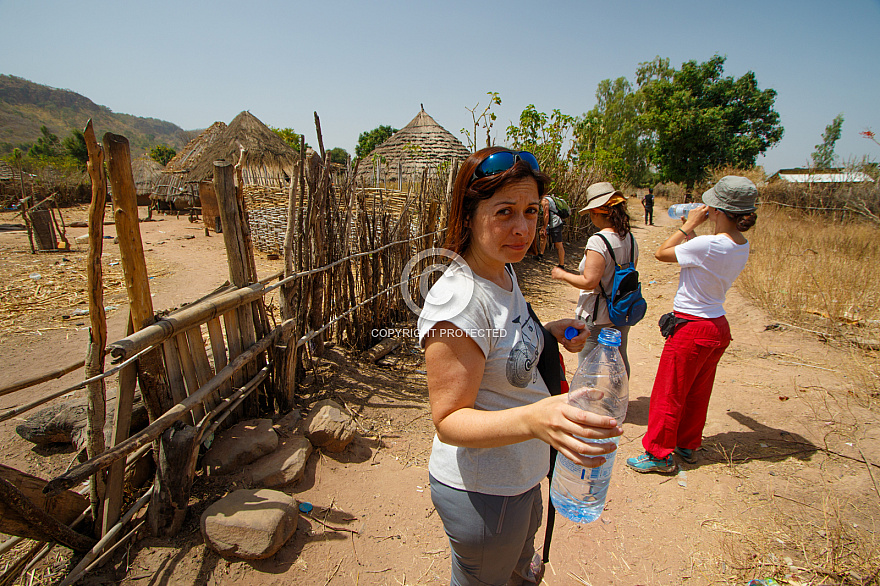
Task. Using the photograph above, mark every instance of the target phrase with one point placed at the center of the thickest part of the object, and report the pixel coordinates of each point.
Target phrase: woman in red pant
(686, 373)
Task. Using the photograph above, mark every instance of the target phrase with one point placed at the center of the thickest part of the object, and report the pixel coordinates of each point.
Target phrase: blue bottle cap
(610, 337)
(305, 507)
(571, 332)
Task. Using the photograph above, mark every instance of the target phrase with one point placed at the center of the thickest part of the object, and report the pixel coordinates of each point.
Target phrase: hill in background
(26, 106)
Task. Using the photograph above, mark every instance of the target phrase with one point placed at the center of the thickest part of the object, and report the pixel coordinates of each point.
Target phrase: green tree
(824, 157)
(612, 132)
(46, 146)
(75, 148)
(368, 141)
(704, 120)
(546, 137)
(162, 154)
(338, 155)
(289, 136)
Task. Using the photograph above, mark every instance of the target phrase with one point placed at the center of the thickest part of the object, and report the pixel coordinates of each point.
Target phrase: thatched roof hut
(421, 144)
(269, 159)
(147, 173)
(174, 177)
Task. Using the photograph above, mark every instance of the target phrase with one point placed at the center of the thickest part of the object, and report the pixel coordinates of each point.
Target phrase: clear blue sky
(363, 64)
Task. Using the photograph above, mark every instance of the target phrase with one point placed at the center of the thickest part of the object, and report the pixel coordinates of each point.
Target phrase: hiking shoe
(689, 456)
(648, 463)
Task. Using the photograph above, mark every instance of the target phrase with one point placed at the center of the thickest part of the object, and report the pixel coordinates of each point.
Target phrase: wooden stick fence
(200, 365)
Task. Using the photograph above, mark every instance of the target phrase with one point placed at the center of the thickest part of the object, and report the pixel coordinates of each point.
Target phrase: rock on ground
(285, 465)
(240, 445)
(328, 426)
(250, 524)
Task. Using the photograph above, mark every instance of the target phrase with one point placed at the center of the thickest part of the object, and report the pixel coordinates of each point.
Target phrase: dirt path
(778, 450)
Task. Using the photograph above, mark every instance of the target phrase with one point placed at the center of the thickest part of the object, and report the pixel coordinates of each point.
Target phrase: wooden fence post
(97, 405)
(151, 369)
(151, 372)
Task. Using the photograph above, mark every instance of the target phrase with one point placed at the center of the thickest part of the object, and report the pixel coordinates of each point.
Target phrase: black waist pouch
(669, 324)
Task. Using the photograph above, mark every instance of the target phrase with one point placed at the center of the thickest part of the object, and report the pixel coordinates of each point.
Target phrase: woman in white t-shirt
(493, 412)
(700, 333)
(607, 209)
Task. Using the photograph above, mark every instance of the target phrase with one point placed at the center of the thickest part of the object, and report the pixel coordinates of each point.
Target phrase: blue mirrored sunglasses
(502, 161)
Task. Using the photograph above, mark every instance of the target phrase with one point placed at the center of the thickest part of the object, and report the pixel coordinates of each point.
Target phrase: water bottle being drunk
(599, 385)
(681, 210)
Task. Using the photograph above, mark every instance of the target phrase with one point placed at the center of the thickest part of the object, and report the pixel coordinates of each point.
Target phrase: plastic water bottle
(599, 385)
(680, 210)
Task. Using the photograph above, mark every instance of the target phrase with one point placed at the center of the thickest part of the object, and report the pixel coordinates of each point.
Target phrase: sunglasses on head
(502, 161)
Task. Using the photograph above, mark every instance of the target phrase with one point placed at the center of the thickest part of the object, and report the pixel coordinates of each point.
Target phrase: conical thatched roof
(421, 143)
(266, 150)
(186, 159)
(173, 178)
(146, 174)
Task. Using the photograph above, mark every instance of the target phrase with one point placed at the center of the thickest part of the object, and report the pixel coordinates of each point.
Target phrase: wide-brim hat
(733, 194)
(598, 195)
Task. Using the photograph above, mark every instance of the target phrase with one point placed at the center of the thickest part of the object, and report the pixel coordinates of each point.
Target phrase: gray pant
(491, 537)
(593, 341)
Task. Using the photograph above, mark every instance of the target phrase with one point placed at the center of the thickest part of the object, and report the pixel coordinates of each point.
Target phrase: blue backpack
(626, 306)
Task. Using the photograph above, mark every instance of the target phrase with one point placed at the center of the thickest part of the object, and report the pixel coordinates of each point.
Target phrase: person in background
(648, 204)
(552, 228)
(686, 373)
(494, 416)
(607, 209)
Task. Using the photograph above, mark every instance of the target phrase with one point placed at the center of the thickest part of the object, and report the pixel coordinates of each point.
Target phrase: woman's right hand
(560, 425)
(695, 217)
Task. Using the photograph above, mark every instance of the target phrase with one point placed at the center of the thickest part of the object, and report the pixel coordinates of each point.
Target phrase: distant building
(821, 176)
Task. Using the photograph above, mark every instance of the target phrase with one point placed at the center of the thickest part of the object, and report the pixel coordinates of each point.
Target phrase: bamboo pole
(97, 402)
(180, 321)
(35, 380)
(131, 250)
(176, 413)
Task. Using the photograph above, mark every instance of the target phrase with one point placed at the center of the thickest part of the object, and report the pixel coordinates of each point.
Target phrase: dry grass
(807, 547)
(821, 275)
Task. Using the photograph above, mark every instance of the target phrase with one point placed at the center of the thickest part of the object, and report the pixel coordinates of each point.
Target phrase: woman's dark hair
(467, 194)
(619, 218)
(743, 221)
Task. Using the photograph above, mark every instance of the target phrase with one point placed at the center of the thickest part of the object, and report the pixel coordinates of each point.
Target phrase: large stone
(284, 466)
(250, 524)
(240, 445)
(328, 426)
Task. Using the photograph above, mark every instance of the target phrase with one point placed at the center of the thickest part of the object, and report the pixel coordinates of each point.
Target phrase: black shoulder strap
(632, 247)
(607, 245)
(548, 362)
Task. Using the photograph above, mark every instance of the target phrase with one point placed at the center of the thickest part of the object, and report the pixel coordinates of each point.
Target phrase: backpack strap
(614, 260)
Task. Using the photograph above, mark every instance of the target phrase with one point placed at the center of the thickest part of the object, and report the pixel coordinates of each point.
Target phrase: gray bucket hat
(598, 195)
(733, 194)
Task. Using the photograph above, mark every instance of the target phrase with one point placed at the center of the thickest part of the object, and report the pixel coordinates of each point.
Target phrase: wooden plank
(189, 373)
(174, 370)
(233, 338)
(218, 351)
(64, 506)
(200, 361)
(126, 383)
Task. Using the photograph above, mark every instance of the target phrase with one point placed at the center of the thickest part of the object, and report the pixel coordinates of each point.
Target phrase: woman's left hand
(558, 327)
